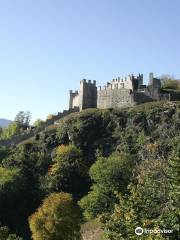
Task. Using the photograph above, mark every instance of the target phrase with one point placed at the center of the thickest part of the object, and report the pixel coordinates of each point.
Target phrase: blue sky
(48, 46)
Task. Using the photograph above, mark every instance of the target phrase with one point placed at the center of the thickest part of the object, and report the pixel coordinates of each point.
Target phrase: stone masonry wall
(141, 97)
(114, 98)
(75, 101)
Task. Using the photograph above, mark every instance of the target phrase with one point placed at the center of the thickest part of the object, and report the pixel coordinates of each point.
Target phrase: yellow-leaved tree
(56, 219)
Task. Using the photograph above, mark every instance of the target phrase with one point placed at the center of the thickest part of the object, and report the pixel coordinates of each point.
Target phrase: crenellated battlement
(130, 82)
(90, 82)
(120, 91)
(73, 92)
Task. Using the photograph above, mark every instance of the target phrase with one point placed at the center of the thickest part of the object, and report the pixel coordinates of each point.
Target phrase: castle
(120, 92)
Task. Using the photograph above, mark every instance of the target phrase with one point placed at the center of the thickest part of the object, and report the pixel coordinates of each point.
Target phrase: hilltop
(53, 122)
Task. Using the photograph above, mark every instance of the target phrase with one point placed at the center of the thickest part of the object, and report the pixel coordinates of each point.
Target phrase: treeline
(20, 129)
(117, 168)
(20, 124)
(168, 82)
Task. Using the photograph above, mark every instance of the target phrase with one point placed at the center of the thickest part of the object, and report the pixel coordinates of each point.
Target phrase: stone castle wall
(141, 97)
(130, 82)
(120, 92)
(114, 98)
(75, 102)
(73, 99)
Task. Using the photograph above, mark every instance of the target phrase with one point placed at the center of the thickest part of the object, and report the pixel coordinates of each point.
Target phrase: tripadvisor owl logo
(139, 231)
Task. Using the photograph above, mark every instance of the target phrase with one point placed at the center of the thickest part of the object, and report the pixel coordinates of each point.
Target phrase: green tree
(21, 122)
(32, 162)
(68, 171)
(122, 222)
(145, 204)
(39, 124)
(57, 219)
(12, 130)
(23, 119)
(170, 217)
(109, 175)
(11, 187)
(169, 83)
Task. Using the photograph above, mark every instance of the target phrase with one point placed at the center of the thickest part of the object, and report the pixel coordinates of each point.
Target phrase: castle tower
(87, 94)
(70, 99)
(137, 81)
(154, 82)
(140, 80)
(154, 86)
(73, 99)
(151, 76)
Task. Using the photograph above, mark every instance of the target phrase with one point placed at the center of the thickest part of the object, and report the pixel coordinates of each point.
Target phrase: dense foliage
(68, 171)
(17, 127)
(122, 167)
(58, 222)
(109, 176)
(169, 83)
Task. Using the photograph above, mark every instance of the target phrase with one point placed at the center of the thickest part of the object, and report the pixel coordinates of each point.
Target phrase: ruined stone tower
(73, 99)
(154, 86)
(87, 94)
(86, 97)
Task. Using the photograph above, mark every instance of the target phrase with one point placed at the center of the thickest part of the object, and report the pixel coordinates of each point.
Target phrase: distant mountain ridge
(4, 122)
